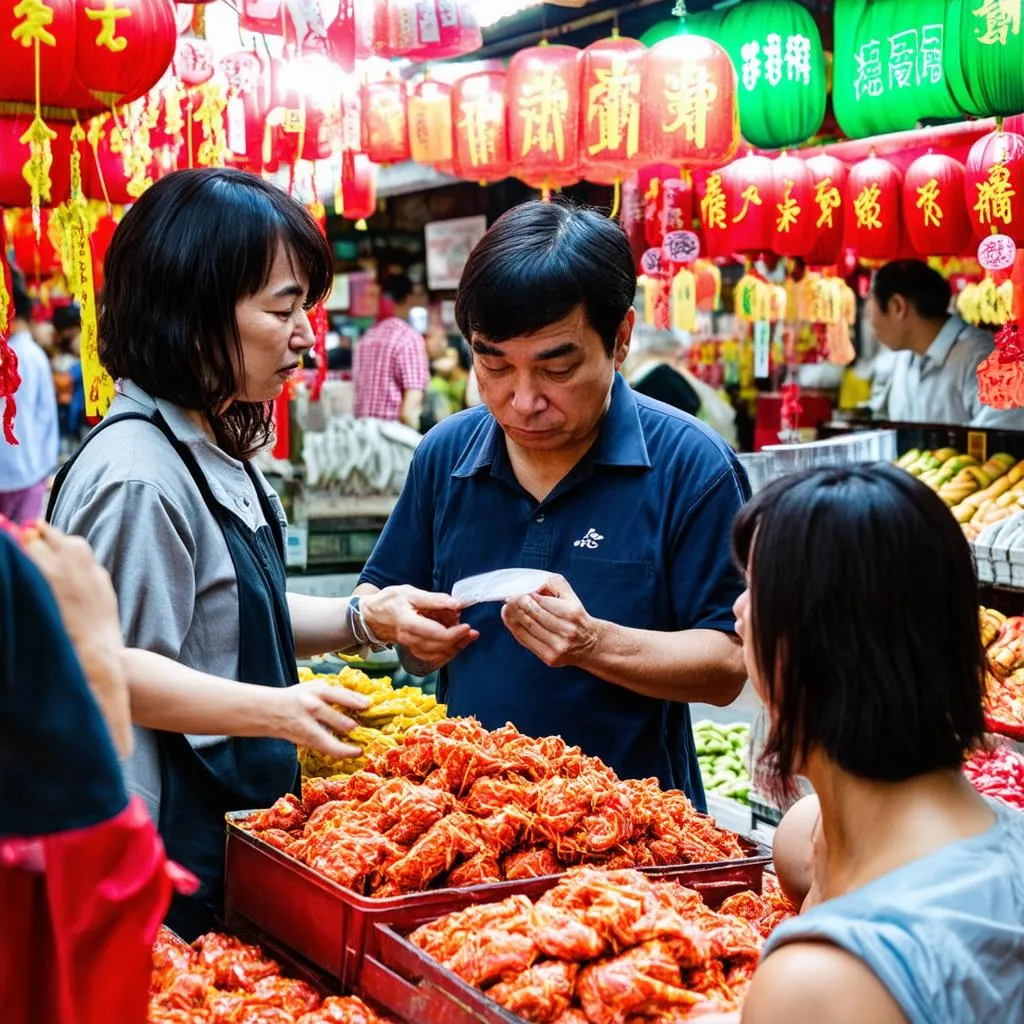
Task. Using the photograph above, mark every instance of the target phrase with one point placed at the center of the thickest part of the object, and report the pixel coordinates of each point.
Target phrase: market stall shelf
(332, 927)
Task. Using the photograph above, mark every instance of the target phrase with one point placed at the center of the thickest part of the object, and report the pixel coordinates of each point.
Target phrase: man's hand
(553, 624)
(88, 607)
(425, 625)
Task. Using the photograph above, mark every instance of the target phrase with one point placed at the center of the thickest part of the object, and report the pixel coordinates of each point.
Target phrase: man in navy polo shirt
(627, 502)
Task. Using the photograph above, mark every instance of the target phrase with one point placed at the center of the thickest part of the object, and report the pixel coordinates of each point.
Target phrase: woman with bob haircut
(202, 321)
(860, 633)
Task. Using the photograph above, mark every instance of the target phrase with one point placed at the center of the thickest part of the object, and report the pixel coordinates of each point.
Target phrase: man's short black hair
(537, 264)
(864, 618)
(20, 297)
(67, 317)
(925, 289)
(195, 244)
(398, 288)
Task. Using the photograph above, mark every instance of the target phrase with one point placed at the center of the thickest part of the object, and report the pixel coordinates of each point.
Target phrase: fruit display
(219, 978)
(381, 726)
(998, 773)
(1003, 639)
(978, 495)
(455, 805)
(722, 755)
(604, 947)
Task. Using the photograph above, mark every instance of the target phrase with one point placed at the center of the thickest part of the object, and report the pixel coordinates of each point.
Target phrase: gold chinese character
(994, 196)
(614, 101)
(712, 206)
(1002, 19)
(867, 207)
(543, 106)
(827, 196)
(35, 17)
(690, 95)
(928, 203)
(748, 195)
(108, 18)
(480, 130)
(789, 208)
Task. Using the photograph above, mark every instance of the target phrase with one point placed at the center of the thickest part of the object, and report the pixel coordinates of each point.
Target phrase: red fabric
(79, 912)
(390, 359)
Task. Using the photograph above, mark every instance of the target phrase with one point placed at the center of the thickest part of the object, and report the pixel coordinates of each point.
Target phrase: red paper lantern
(751, 207)
(92, 53)
(829, 176)
(385, 121)
(430, 124)
(480, 136)
(294, 125)
(249, 99)
(37, 258)
(690, 115)
(610, 99)
(994, 188)
(795, 209)
(14, 190)
(874, 226)
(542, 86)
(430, 29)
(676, 205)
(357, 189)
(713, 209)
(193, 60)
(934, 205)
(103, 169)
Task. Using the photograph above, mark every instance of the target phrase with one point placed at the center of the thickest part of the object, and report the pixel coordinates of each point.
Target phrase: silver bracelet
(365, 638)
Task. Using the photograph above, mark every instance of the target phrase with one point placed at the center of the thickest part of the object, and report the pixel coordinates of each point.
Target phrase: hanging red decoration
(429, 29)
(295, 125)
(343, 37)
(1001, 375)
(690, 115)
(193, 60)
(542, 86)
(37, 258)
(14, 189)
(264, 17)
(385, 121)
(713, 210)
(631, 217)
(751, 207)
(480, 136)
(104, 175)
(676, 205)
(828, 175)
(994, 188)
(610, 98)
(795, 209)
(935, 207)
(356, 198)
(102, 236)
(249, 95)
(430, 124)
(874, 227)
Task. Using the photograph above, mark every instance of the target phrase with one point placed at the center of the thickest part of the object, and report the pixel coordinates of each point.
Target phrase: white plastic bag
(500, 585)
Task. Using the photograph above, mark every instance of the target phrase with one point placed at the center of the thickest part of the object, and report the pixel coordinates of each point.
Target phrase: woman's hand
(88, 607)
(307, 716)
(425, 625)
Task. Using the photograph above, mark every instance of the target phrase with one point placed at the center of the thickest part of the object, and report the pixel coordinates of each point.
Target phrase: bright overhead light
(488, 12)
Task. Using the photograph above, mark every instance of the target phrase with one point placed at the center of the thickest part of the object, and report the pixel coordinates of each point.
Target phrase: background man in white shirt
(25, 467)
(934, 374)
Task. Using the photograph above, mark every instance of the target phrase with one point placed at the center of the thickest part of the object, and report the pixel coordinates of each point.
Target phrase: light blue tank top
(944, 935)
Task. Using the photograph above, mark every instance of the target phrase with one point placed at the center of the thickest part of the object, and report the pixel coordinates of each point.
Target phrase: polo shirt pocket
(623, 592)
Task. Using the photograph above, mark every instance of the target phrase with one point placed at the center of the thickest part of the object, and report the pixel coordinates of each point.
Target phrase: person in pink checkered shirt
(390, 364)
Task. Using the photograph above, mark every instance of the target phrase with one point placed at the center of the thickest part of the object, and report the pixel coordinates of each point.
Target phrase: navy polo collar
(620, 442)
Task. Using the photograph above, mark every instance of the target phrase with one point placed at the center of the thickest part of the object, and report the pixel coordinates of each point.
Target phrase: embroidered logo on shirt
(590, 539)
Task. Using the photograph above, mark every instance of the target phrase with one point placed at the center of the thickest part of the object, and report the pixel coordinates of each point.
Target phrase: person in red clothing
(390, 364)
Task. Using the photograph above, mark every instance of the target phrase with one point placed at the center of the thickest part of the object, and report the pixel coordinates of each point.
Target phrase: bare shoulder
(819, 982)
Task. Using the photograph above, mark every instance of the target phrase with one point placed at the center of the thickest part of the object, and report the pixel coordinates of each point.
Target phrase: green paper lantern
(985, 55)
(776, 49)
(891, 68)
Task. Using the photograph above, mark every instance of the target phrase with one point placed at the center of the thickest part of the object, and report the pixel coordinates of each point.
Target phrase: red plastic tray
(1011, 729)
(331, 926)
(396, 966)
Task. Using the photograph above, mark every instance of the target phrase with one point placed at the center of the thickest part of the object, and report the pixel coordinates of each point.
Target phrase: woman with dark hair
(203, 320)
(860, 633)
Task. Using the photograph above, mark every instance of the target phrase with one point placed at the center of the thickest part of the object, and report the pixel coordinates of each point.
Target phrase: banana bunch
(381, 726)
(991, 622)
(978, 495)
(1005, 653)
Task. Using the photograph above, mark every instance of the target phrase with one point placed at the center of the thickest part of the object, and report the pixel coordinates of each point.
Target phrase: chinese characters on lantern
(543, 105)
(749, 195)
(994, 197)
(867, 209)
(690, 94)
(34, 17)
(903, 60)
(789, 208)
(108, 16)
(828, 199)
(998, 20)
(774, 62)
(614, 101)
(997, 252)
(712, 205)
(928, 203)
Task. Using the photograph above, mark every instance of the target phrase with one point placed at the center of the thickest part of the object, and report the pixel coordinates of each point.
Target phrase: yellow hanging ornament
(684, 301)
